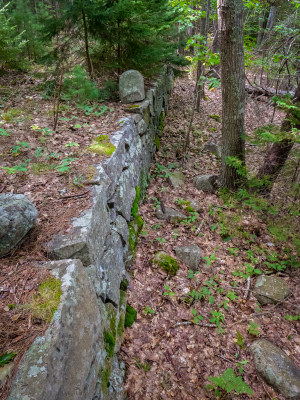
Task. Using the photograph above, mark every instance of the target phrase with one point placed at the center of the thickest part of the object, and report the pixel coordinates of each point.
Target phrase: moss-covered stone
(120, 328)
(135, 206)
(112, 318)
(143, 185)
(133, 106)
(44, 304)
(129, 316)
(135, 228)
(166, 263)
(104, 375)
(124, 285)
(102, 146)
(157, 142)
(110, 342)
(161, 122)
(190, 209)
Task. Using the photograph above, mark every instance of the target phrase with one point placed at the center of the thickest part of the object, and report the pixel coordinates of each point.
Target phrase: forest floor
(27, 140)
(165, 357)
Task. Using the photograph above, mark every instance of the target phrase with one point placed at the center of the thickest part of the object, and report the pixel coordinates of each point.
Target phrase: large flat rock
(276, 368)
(270, 289)
(189, 255)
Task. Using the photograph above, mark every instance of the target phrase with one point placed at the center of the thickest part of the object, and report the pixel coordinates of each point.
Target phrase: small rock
(131, 86)
(207, 183)
(166, 262)
(141, 127)
(214, 149)
(276, 368)
(173, 215)
(6, 371)
(275, 288)
(189, 255)
(17, 216)
(176, 179)
(195, 205)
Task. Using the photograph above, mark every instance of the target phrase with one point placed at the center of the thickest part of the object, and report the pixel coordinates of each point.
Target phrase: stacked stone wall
(77, 358)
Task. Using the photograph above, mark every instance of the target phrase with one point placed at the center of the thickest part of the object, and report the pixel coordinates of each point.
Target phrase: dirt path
(169, 361)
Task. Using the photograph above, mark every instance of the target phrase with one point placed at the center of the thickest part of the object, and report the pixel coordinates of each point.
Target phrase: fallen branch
(190, 322)
(268, 92)
(248, 287)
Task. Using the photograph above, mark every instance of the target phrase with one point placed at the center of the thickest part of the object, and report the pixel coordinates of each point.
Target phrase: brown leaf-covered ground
(166, 360)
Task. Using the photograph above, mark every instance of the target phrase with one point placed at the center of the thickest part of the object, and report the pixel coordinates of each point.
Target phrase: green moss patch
(133, 106)
(135, 206)
(38, 168)
(120, 328)
(190, 209)
(157, 142)
(166, 263)
(110, 342)
(135, 228)
(45, 303)
(102, 146)
(129, 316)
(124, 285)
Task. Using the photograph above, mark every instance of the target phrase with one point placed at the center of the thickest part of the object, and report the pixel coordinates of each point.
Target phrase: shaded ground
(168, 360)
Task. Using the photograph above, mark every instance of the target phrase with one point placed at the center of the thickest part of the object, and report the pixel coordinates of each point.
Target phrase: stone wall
(77, 358)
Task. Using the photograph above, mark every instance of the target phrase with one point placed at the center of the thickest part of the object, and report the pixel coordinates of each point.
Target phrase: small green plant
(77, 180)
(210, 259)
(161, 240)
(250, 270)
(217, 318)
(145, 366)
(168, 291)
(292, 318)
(192, 274)
(6, 358)
(224, 304)
(197, 318)
(176, 234)
(71, 144)
(156, 203)
(65, 165)
(157, 226)
(161, 171)
(232, 296)
(3, 132)
(241, 365)
(239, 340)
(253, 329)
(148, 310)
(233, 251)
(228, 382)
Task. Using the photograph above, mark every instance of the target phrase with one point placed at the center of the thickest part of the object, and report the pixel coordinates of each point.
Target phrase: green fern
(229, 382)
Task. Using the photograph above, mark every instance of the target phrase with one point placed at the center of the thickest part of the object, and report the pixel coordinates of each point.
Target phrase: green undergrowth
(129, 316)
(44, 304)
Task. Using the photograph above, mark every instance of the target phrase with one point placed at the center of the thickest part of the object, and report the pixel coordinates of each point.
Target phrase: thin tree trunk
(271, 18)
(260, 35)
(278, 153)
(233, 90)
(86, 41)
(200, 68)
(215, 44)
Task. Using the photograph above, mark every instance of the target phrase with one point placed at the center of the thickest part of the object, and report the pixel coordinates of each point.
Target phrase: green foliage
(135, 206)
(65, 166)
(240, 340)
(168, 291)
(210, 259)
(292, 318)
(110, 342)
(217, 318)
(197, 318)
(241, 365)
(103, 146)
(109, 90)
(6, 358)
(148, 310)
(78, 87)
(124, 284)
(129, 316)
(144, 366)
(229, 382)
(253, 329)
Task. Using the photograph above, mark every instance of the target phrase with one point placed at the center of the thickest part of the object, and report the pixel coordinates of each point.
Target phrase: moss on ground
(166, 263)
(190, 209)
(129, 316)
(44, 304)
(38, 168)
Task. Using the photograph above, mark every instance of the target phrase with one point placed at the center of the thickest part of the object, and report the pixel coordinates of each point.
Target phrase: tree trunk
(86, 41)
(203, 32)
(271, 18)
(260, 36)
(233, 90)
(278, 153)
(216, 44)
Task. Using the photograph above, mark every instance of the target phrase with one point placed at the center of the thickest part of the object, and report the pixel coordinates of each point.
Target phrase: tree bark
(233, 90)
(278, 153)
(271, 18)
(86, 41)
(203, 32)
(260, 36)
